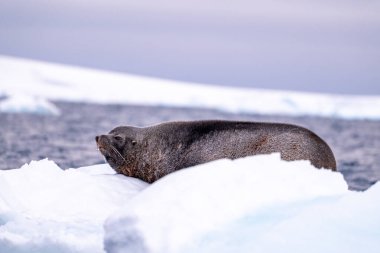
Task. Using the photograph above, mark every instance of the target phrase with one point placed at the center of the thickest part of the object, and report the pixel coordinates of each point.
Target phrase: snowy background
(257, 203)
(25, 80)
(316, 45)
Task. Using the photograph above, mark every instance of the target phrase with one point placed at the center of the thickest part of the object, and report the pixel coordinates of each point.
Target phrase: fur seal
(150, 153)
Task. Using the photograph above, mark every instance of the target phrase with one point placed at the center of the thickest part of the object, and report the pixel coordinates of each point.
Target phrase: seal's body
(152, 152)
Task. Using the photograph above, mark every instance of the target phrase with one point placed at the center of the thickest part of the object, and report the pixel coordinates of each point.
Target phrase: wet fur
(152, 152)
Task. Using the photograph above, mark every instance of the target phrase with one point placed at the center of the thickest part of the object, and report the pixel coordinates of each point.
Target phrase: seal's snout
(102, 143)
(100, 138)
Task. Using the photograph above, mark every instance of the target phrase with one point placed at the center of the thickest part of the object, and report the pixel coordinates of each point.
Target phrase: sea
(69, 138)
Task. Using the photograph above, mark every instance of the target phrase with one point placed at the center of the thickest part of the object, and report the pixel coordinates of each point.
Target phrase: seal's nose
(96, 138)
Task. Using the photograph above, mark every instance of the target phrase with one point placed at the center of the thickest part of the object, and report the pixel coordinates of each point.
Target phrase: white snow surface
(252, 204)
(67, 83)
(46, 209)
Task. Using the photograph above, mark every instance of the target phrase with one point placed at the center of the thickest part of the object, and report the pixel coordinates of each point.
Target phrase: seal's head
(116, 145)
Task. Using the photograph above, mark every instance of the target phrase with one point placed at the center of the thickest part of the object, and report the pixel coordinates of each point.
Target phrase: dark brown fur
(152, 152)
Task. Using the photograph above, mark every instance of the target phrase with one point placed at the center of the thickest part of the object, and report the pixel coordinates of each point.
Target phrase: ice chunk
(46, 209)
(28, 104)
(182, 208)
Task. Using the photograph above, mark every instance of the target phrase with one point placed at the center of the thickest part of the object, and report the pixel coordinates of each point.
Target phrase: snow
(252, 204)
(66, 83)
(179, 210)
(342, 224)
(46, 209)
(28, 104)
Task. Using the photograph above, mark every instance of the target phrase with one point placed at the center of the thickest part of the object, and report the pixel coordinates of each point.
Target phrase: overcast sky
(316, 45)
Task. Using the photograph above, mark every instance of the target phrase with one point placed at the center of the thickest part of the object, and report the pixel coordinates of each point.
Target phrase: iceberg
(58, 82)
(252, 204)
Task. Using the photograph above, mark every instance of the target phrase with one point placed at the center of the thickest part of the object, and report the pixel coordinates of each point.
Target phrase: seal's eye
(118, 138)
(134, 142)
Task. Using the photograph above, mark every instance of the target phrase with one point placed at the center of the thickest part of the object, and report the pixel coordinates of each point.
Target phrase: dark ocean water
(68, 139)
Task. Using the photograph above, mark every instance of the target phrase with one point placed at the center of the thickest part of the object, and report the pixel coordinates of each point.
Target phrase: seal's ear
(134, 142)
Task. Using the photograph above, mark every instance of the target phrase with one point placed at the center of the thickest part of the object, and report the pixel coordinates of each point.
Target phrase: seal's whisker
(118, 153)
